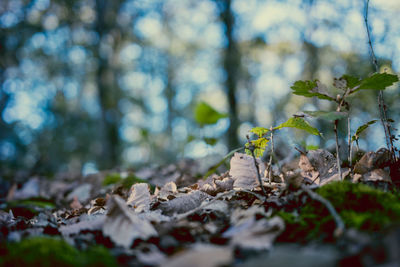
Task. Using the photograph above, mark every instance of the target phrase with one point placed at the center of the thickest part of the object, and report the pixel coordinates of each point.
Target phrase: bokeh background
(96, 84)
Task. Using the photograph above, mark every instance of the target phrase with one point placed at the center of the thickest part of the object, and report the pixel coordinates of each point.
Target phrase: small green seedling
(347, 85)
(257, 147)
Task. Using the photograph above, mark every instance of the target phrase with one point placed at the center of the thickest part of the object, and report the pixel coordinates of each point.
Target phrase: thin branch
(337, 149)
(340, 226)
(381, 100)
(349, 138)
(270, 156)
(251, 148)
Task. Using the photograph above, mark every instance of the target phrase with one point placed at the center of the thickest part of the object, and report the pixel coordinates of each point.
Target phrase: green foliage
(112, 178)
(260, 131)
(351, 81)
(259, 146)
(310, 89)
(361, 129)
(204, 114)
(360, 206)
(46, 251)
(210, 140)
(327, 115)
(378, 81)
(299, 123)
(261, 143)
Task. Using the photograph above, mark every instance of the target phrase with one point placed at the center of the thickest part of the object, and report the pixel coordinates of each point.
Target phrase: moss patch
(360, 206)
(45, 251)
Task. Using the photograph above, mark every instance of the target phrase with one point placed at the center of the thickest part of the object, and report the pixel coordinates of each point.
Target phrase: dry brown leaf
(168, 190)
(373, 160)
(183, 203)
(225, 184)
(82, 192)
(256, 234)
(139, 197)
(87, 223)
(202, 256)
(123, 225)
(318, 165)
(244, 172)
(376, 175)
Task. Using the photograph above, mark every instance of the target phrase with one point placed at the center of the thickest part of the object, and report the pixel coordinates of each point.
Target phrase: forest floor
(305, 214)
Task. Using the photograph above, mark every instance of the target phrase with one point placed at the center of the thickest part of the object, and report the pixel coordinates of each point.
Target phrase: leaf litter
(221, 220)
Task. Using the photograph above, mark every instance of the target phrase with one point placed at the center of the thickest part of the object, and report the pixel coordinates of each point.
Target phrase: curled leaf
(139, 197)
(361, 129)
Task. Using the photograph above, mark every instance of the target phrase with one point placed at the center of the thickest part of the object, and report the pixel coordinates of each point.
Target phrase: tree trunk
(231, 63)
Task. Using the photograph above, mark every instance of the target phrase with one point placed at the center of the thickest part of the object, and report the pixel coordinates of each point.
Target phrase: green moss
(360, 206)
(45, 251)
(112, 178)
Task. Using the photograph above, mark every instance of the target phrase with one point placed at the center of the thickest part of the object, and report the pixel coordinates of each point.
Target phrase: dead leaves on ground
(205, 222)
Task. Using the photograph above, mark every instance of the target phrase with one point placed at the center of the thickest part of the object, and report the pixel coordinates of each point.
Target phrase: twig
(270, 156)
(349, 139)
(251, 148)
(340, 226)
(337, 149)
(381, 100)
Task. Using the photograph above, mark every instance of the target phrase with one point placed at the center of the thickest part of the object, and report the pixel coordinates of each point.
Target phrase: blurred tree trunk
(108, 91)
(231, 63)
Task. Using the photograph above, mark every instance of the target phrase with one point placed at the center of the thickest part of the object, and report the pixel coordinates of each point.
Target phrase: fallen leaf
(123, 225)
(183, 203)
(244, 172)
(169, 189)
(75, 204)
(87, 223)
(376, 175)
(373, 160)
(82, 192)
(30, 189)
(150, 255)
(139, 197)
(256, 234)
(318, 165)
(202, 256)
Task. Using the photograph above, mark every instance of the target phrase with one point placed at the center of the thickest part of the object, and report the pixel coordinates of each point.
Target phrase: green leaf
(310, 89)
(312, 147)
(210, 141)
(260, 131)
(299, 123)
(361, 129)
(351, 80)
(327, 115)
(378, 81)
(205, 114)
(260, 144)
